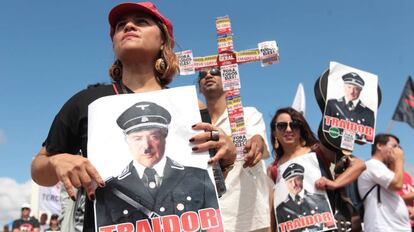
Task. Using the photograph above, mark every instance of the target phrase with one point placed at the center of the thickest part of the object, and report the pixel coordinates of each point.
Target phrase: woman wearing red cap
(142, 41)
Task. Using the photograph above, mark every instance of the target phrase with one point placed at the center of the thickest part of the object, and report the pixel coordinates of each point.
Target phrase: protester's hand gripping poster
(298, 205)
(154, 181)
(352, 102)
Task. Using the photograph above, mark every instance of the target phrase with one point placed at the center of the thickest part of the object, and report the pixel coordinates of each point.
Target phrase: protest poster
(298, 205)
(154, 181)
(352, 102)
(186, 62)
(269, 53)
(49, 199)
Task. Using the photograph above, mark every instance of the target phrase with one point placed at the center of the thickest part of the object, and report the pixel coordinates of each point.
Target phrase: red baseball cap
(145, 7)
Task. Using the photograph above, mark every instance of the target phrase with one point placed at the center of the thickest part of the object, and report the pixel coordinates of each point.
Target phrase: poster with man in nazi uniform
(154, 181)
(298, 205)
(352, 102)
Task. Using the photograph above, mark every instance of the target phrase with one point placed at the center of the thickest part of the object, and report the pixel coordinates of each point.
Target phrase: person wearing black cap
(143, 41)
(299, 201)
(152, 184)
(349, 107)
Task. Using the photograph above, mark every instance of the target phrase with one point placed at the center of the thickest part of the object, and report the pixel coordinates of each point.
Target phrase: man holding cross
(244, 206)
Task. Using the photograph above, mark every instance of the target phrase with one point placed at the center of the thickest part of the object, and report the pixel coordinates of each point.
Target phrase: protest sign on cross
(228, 61)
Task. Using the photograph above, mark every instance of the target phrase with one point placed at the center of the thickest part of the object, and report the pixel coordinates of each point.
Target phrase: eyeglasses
(213, 72)
(282, 126)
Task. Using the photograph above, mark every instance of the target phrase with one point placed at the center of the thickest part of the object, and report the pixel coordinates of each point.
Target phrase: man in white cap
(26, 223)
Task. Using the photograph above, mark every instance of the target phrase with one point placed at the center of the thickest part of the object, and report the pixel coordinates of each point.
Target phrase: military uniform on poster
(184, 189)
(153, 184)
(310, 204)
(301, 204)
(302, 207)
(353, 110)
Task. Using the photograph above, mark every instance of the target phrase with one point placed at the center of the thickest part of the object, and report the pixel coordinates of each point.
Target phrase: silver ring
(215, 135)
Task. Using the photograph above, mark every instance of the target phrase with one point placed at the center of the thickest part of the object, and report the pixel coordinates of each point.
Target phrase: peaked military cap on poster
(293, 170)
(144, 116)
(354, 79)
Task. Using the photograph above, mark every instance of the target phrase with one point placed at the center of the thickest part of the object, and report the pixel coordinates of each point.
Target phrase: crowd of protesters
(29, 223)
(249, 203)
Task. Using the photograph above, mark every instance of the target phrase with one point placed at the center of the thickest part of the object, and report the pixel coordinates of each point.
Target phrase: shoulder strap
(115, 88)
(370, 190)
(323, 162)
(135, 204)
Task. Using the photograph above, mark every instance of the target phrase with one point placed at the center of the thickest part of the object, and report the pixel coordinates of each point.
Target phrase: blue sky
(49, 50)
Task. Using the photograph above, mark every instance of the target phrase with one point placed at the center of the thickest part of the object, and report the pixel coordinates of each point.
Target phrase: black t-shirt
(69, 130)
(26, 225)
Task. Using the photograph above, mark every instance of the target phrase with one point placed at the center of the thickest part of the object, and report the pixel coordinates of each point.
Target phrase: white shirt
(159, 168)
(392, 213)
(245, 205)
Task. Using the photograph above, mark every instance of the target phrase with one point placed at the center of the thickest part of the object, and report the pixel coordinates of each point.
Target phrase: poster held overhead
(350, 113)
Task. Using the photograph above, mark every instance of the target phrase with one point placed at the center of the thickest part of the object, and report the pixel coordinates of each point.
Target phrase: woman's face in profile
(287, 136)
(137, 32)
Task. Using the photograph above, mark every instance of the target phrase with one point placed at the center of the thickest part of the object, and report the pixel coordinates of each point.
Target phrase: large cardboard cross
(228, 61)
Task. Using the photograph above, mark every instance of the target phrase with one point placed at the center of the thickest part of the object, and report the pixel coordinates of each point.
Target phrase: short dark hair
(382, 139)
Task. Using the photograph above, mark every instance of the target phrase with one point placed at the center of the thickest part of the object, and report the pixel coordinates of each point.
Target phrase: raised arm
(397, 166)
(355, 168)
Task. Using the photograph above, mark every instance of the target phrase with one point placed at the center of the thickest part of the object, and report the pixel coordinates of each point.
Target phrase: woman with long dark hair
(292, 138)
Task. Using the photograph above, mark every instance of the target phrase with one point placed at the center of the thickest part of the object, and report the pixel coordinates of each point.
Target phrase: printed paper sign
(230, 77)
(348, 140)
(186, 62)
(49, 199)
(205, 62)
(223, 25)
(299, 206)
(247, 56)
(269, 53)
(225, 44)
(352, 102)
(154, 182)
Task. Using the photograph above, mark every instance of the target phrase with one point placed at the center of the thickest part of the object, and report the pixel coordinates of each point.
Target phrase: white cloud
(12, 196)
(2, 137)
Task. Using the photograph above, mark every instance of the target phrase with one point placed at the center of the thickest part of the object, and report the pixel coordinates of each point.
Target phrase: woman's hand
(226, 151)
(324, 183)
(72, 170)
(253, 151)
(76, 171)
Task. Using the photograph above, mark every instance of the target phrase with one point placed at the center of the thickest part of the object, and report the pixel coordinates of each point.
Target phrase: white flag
(299, 103)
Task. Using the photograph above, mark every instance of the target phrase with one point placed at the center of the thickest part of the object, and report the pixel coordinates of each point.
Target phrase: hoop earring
(302, 142)
(160, 65)
(115, 71)
(276, 144)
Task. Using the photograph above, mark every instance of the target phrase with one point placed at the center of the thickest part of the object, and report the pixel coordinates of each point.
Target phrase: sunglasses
(213, 72)
(282, 126)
